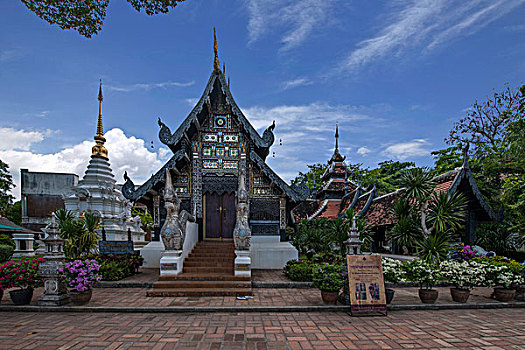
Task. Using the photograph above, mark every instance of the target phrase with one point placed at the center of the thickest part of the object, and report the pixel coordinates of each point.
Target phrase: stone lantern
(23, 244)
(55, 289)
(353, 243)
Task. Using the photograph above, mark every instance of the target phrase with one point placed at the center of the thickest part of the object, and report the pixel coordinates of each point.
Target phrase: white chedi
(97, 193)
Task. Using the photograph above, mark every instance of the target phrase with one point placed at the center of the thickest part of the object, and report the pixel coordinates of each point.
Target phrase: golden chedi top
(99, 150)
(216, 64)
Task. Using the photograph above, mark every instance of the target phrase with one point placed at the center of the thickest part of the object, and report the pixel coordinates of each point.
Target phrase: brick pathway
(136, 297)
(476, 329)
(152, 275)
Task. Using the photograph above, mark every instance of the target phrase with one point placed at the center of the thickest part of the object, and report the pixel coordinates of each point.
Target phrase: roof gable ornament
(216, 63)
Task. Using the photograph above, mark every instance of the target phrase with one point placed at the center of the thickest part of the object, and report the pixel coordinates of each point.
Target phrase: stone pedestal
(55, 289)
(243, 263)
(171, 263)
(23, 244)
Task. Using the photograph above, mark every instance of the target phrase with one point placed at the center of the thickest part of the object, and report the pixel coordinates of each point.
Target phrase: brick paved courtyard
(477, 329)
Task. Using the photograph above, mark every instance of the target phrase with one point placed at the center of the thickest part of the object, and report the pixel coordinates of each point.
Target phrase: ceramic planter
(428, 296)
(389, 295)
(21, 296)
(504, 294)
(459, 295)
(329, 297)
(80, 298)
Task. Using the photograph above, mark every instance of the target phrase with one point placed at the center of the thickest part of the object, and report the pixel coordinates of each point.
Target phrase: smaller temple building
(338, 194)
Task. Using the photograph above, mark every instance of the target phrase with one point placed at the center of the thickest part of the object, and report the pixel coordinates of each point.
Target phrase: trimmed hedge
(6, 240)
(5, 252)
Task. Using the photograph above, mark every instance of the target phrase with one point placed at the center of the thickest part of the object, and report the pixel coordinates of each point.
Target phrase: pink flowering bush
(81, 275)
(465, 253)
(22, 273)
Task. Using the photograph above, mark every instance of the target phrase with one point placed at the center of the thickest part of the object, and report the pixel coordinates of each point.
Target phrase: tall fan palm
(434, 248)
(418, 183)
(447, 212)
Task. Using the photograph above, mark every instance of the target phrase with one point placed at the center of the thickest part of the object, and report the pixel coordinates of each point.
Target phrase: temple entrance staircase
(207, 271)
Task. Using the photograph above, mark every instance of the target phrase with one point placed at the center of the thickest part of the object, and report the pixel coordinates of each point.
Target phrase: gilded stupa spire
(99, 149)
(216, 63)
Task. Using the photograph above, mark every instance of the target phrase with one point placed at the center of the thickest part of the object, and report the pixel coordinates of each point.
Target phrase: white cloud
(10, 55)
(425, 25)
(20, 139)
(307, 131)
(363, 151)
(290, 84)
(125, 154)
(148, 86)
(295, 19)
(405, 150)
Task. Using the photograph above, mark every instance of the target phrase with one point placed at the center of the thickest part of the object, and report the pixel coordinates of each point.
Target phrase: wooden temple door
(220, 216)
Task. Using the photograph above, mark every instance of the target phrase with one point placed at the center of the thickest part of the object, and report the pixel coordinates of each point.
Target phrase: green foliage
(6, 240)
(419, 271)
(113, 270)
(6, 251)
(513, 265)
(419, 184)
(87, 16)
(447, 212)
(328, 278)
(447, 159)
(146, 220)
(6, 184)
(313, 176)
(80, 234)
(14, 212)
(312, 236)
(301, 271)
(495, 236)
(387, 176)
(406, 232)
(21, 273)
(435, 248)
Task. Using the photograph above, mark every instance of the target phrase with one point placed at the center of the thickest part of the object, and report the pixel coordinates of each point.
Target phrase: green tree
(87, 16)
(79, 234)
(14, 212)
(6, 184)
(387, 176)
(313, 175)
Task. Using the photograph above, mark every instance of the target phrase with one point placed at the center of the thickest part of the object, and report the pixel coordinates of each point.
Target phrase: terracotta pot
(504, 294)
(459, 295)
(329, 297)
(21, 296)
(389, 295)
(428, 296)
(80, 298)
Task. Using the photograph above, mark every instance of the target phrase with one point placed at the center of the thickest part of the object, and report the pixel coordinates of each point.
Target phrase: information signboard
(115, 247)
(367, 287)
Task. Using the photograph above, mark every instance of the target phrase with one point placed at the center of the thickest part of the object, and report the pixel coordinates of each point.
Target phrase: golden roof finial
(99, 149)
(216, 63)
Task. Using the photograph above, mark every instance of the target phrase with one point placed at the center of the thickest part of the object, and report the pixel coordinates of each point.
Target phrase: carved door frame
(204, 216)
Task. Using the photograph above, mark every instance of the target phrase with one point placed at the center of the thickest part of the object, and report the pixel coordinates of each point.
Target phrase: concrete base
(54, 300)
(267, 252)
(243, 263)
(171, 263)
(152, 253)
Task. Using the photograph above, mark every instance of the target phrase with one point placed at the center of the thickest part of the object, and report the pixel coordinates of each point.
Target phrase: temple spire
(216, 63)
(99, 149)
(336, 137)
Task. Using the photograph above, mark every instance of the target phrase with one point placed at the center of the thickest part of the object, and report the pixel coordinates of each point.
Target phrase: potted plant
(464, 276)
(21, 273)
(426, 276)
(392, 273)
(504, 279)
(329, 279)
(80, 276)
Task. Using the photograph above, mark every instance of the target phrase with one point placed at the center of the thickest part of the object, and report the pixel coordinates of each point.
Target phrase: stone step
(205, 277)
(201, 284)
(207, 269)
(208, 263)
(211, 256)
(198, 292)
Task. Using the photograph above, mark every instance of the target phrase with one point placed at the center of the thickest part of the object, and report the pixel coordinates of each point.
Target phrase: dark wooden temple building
(338, 194)
(211, 146)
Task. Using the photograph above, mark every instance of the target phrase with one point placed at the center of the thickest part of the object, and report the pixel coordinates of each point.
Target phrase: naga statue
(173, 231)
(242, 233)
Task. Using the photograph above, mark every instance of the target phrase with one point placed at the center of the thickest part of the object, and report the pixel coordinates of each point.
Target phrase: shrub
(421, 272)
(6, 240)
(495, 236)
(81, 274)
(501, 261)
(328, 277)
(503, 276)
(301, 271)
(5, 252)
(465, 252)
(20, 273)
(392, 271)
(465, 274)
(113, 270)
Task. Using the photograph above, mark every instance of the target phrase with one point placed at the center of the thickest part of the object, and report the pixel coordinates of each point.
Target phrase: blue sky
(394, 74)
